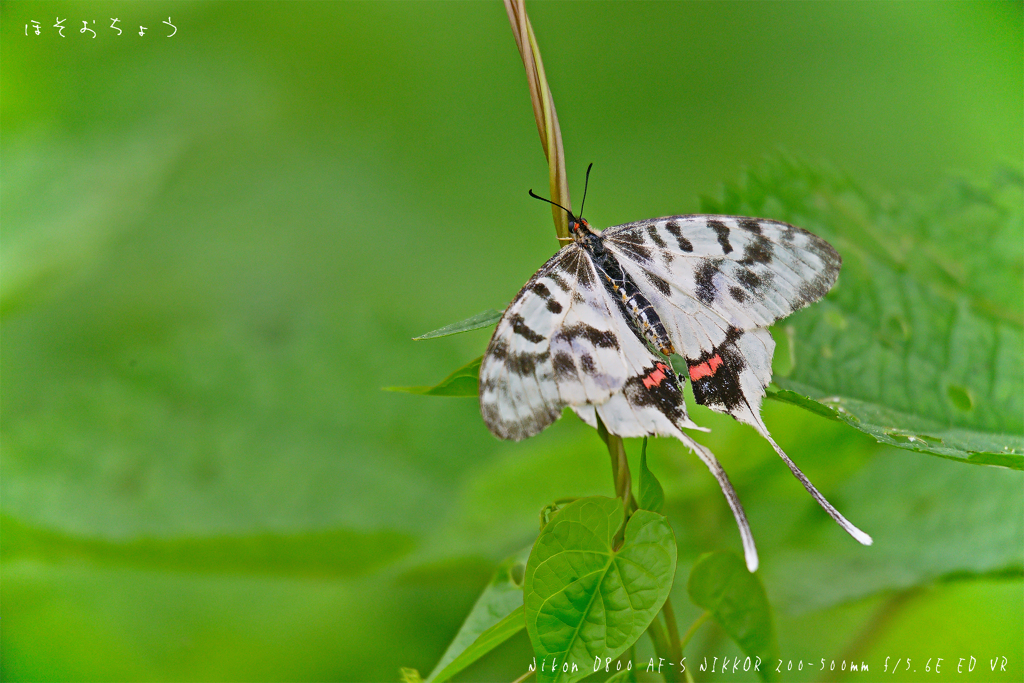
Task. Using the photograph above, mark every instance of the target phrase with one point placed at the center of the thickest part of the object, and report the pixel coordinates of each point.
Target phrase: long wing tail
(749, 551)
(833, 513)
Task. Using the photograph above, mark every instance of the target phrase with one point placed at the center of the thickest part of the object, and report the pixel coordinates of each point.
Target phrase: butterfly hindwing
(651, 400)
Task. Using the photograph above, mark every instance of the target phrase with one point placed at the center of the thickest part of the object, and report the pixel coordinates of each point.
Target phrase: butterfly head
(579, 229)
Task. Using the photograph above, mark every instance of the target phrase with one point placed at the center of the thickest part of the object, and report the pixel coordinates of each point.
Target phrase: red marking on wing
(654, 379)
(705, 369)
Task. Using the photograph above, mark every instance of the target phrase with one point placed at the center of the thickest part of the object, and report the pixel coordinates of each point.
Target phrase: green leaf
(409, 675)
(462, 382)
(332, 553)
(623, 676)
(496, 617)
(510, 625)
(930, 520)
(485, 319)
(585, 599)
(652, 496)
(720, 583)
(918, 344)
(915, 433)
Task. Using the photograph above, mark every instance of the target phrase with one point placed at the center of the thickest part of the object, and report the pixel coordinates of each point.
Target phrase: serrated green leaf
(918, 344)
(720, 583)
(496, 617)
(915, 433)
(485, 319)
(583, 598)
(652, 496)
(462, 382)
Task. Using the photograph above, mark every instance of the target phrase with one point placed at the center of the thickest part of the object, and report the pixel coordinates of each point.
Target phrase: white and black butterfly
(594, 327)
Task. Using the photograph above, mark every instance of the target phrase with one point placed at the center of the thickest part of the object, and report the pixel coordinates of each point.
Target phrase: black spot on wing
(722, 232)
(524, 363)
(789, 233)
(811, 291)
(633, 244)
(554, 306)
(600, 338)
(738, 294)
(564, 365)
(658, 283)
(557, 278)
(587, 364)
(665, 395)
(674, 230)
(758, 250)
(753, 281)
(652, 232)
(721, 389)
(750, 225)
(498, 349)
(541, 290)
(704, 279)
(520, 327)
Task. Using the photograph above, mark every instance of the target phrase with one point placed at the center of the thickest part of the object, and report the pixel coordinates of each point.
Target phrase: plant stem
(523, 677)
(693, 629)
(543, 112)
(878, 624)
(675, 648)
(620, 476)
(660, 640)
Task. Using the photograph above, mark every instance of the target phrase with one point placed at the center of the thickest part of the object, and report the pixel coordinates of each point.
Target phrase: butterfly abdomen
(634, 305)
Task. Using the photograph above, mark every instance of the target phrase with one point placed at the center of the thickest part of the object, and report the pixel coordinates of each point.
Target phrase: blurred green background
(217, 246)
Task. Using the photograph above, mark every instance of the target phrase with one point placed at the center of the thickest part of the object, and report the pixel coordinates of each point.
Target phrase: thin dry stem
(543, 112)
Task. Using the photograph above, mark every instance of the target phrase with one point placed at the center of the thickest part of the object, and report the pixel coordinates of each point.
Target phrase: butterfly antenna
(535, 196)
(585, 183)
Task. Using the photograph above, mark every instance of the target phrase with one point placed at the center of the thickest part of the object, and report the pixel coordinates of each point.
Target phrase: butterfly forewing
(707, 274)
(555, 346)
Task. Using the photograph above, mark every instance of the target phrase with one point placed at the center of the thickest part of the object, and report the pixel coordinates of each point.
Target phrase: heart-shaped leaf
(720, 583)
(585, 599)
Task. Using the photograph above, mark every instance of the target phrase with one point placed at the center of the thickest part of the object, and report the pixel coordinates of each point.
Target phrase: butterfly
(594, 330)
